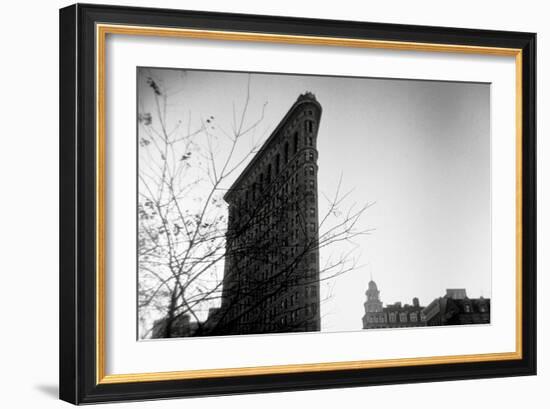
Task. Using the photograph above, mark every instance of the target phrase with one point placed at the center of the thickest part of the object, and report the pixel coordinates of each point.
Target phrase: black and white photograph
(269, 200)
(279, 203)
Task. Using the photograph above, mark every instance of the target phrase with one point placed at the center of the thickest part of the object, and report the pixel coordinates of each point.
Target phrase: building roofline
(304, 98)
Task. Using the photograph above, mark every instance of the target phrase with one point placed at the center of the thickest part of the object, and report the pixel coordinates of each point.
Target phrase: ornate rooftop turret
(372, 292)
(373, 303)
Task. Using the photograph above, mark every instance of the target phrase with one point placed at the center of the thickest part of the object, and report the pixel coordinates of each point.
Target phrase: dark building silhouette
(180, 326)
(271, 276)
(393, 315)
(455, 308)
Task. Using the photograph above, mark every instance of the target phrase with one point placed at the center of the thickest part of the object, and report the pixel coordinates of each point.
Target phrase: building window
(295, 142)
(286, 152)
(277, 164)
(311, 156)
(414, 317)
(311, 291)
(309, 126)
(269, 173)
(311, 184)
(312, 212)
(403, 317)
(309, 141)
(310, 171)
(392, 317)
(311, 309)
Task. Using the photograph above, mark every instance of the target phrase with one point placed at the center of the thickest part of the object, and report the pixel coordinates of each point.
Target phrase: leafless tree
(182, 219)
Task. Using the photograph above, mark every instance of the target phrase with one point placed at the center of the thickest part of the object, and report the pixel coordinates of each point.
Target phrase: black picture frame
(78, 197)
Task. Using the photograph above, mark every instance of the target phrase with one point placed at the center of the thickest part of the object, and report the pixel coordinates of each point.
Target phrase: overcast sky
(418, 149)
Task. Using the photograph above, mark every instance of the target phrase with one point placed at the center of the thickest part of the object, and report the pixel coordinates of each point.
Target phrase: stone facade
(455, 308)
(271, 276)
(393, 315)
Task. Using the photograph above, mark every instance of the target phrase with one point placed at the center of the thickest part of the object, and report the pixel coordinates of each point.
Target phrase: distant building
(392, 316)
(455, 308)
(181, 326)
(271, 276)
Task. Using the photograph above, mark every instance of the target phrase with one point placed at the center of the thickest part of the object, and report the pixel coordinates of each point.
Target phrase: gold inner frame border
(102, 30)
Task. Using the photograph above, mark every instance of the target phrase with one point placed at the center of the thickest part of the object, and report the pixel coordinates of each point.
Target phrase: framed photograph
(257, 203)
